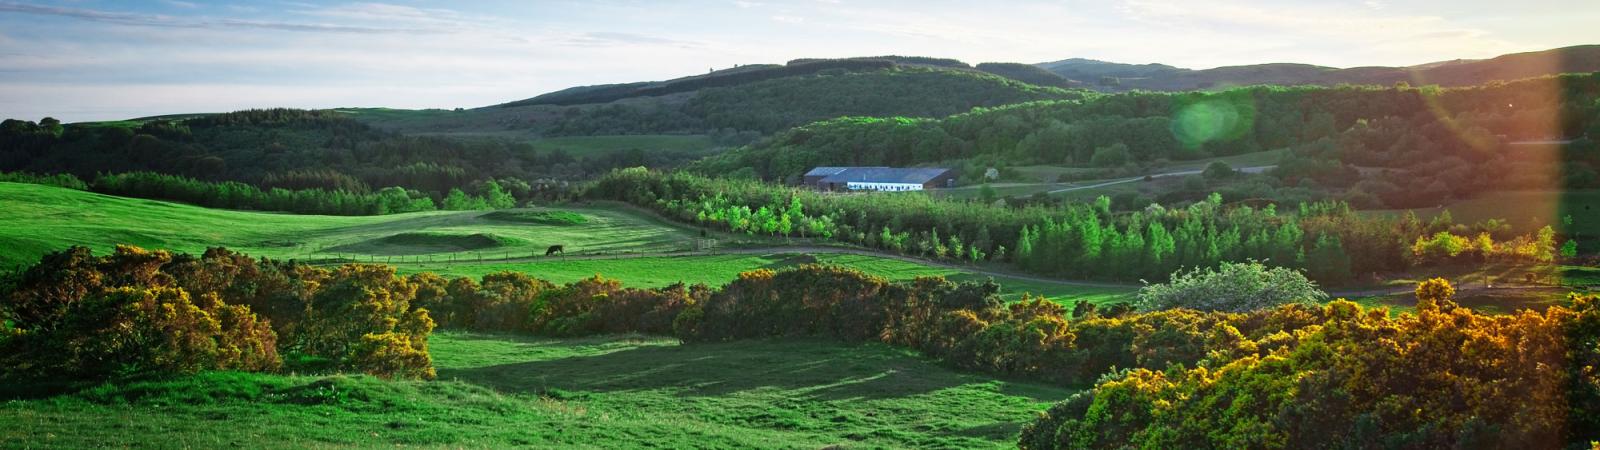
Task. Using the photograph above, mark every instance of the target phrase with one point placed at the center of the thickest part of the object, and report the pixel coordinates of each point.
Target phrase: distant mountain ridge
(752, 73)
(1111, 76)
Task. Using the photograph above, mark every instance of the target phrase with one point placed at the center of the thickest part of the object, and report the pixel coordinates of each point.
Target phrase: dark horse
(554, 249)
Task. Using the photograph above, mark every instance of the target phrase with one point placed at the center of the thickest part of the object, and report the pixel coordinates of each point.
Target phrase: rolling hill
(1112, 76)
(760, 99)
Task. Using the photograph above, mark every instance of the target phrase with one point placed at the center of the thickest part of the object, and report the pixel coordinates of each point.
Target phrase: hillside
(759, 99)
(1396, 147)
(1461, 72)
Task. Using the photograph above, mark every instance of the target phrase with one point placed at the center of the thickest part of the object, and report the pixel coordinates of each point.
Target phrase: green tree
(496, 197)
(1327, 262)
(1114, 155)
(1218, 170)
(1234, 287)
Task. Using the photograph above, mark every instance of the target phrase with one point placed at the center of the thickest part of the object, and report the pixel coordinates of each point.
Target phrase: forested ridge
(771, 105)
(293, 149)
(1420, 146)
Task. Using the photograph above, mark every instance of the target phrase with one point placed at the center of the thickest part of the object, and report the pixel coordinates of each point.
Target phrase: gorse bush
(1292, 375)
(79, 316)
(1444, 377)
(131, 330)
(1233, 287)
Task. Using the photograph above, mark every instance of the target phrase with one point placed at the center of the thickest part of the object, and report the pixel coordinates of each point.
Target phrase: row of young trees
(236, 195)
(1327, 239)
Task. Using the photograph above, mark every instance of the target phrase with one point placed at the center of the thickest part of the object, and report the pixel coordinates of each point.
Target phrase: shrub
(1456, 379)
(76, 315)
(139, 330)
(1236, 287)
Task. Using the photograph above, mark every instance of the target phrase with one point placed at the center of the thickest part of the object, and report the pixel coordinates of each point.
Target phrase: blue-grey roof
(826, 171)
(915, 175)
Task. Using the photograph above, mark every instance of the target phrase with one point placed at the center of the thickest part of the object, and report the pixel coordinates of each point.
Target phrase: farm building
(879, 178)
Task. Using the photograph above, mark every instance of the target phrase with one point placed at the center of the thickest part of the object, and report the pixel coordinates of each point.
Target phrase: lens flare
(1212, 119)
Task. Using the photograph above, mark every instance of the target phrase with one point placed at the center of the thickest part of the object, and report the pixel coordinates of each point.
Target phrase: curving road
(1256, 169)
(820, 249)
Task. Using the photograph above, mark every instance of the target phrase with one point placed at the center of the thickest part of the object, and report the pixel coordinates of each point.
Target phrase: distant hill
(1030, 74)
(740, 104)
(1108, 76)
(1089, 70)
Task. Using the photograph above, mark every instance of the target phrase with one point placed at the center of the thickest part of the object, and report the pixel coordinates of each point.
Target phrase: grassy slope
(1525, 210)
(610, 392)
(45, 219)
(40, 219)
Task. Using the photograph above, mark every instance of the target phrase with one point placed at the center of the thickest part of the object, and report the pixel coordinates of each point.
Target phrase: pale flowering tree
(1232, 287)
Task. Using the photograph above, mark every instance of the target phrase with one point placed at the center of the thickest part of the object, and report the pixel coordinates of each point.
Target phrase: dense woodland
(773, 105)
(1283, 376)
(1328, 239)
(1418, 146)
(293, 149)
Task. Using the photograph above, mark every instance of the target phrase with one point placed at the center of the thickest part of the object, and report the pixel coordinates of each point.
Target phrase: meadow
(718, 269)
(1525, 210)
(613, 241)
(42, 219)
(601, 392)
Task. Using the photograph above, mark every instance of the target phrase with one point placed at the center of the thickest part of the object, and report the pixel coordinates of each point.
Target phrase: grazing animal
(554, 249)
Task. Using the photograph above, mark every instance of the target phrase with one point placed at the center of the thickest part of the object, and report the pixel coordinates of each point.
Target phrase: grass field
(41, 219)
(1525, 210)
(1093, 176)
(607, 392)
(46, 219)
(716, 270)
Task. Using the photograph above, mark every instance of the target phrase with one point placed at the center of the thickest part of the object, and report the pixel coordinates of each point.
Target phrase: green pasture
(498, 391)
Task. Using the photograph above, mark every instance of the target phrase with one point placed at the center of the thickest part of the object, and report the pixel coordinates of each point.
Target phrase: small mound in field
(474, 241)
(558, 218)
(423, 243)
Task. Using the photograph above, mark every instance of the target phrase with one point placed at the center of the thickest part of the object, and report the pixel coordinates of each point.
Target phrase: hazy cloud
(610, 38)
(156, 20)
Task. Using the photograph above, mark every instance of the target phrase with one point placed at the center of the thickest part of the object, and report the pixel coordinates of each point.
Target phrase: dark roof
(917, 175)
(826, 171)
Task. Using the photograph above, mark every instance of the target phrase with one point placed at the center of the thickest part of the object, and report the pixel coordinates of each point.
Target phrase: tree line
(1084, 240)
(235, 195)
(298, 149)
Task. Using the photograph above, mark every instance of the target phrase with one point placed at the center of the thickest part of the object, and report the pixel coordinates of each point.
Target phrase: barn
(888, 179)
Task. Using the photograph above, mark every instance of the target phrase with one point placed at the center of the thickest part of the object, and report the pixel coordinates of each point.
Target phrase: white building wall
(891, 187)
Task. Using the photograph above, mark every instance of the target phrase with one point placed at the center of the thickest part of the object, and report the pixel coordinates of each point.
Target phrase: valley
(717, 240)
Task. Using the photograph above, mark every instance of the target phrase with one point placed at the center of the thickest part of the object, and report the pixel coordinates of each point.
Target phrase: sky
(84, 60)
